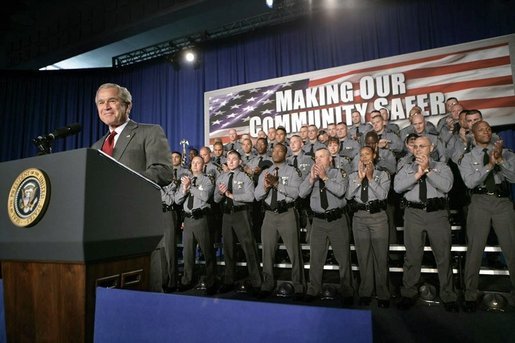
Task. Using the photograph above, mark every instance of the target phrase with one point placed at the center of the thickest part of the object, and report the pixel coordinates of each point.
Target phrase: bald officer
(425, 184)
(326, 189)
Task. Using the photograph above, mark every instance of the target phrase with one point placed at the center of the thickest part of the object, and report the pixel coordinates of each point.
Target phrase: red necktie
(108, 145)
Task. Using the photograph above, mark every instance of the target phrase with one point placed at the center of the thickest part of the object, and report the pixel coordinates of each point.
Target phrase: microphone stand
(43, 145)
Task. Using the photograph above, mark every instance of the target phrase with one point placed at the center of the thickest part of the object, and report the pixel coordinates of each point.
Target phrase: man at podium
(141, 147)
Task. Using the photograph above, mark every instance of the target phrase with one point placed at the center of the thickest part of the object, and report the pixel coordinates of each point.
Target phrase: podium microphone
(62, 132)
(43, 143)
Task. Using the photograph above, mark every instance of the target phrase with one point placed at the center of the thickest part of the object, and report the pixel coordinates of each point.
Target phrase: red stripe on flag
(456, 68)
(507, 101)
(318, 82)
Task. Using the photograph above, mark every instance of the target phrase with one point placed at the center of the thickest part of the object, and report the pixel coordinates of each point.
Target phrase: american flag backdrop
(479, 74)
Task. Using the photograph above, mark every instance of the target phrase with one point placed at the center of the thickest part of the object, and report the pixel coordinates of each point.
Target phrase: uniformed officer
(368, 190)
(387, 140)
(358, 129)
(235, 190)
(326, 189)
(233, 144)
(337, 161)
(425, 184)
(390, 127)
(420, 127)
(278, 187)
(312, 144)
(488, 170)
(349, 148)
(169, 253)
(194, 194)
(385, 160)
(218, 158)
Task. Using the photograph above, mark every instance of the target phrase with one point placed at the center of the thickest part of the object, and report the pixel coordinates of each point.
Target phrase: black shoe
(211, 290)
(364, 301)
(470, 306)
(347, 301)
(184, 287)
(405, 303)
(451, 306)
(226, 288)
(309, 298)
(383, 303)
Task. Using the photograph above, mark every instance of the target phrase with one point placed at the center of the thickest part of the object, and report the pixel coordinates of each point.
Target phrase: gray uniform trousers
(417, 224)
(483, 211)
(240, 223)
(283, 225)
(197, 230)
(371, 241)
(337, 234)
(169, 253)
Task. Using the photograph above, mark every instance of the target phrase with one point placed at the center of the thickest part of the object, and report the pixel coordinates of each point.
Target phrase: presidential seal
(28, 197)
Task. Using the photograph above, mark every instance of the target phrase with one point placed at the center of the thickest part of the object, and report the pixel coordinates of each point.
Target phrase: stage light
(270, 3)
(494, 302)
(427, 292)
(285, 290)
(328, 292)
(190, 56)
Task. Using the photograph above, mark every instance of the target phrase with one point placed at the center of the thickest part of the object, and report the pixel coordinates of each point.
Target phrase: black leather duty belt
(282, 206)
(431, 205)
(330, 215)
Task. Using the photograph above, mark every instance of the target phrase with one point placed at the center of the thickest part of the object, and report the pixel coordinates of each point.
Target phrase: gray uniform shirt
(377, 187)
(439, 181)
(202, 192)
(335, 186)
(349, 148)
(242, 187)
(287, 187)
(304, 163)
(474, 173)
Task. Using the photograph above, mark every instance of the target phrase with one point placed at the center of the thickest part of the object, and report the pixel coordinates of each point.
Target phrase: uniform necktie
(218, 160)
(334, 161)
(341, 146)
(323, 195)
(228, 201)
(273, 200)
(205, 169)
(311, 149)
(364, 190)
(232, 146)
(490, 180)
(108, 145)
(175, 174)
(422, 188)
(190, 198)
(295, 163)
(357, 131)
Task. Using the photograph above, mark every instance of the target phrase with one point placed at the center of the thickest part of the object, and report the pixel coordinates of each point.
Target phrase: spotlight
(285, 290)
(494, 302)
(270, 3)
(427, 292)
(190, 56)
(328, 292)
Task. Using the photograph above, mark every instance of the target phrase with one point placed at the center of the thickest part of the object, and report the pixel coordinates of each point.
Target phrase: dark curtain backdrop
(33, 103)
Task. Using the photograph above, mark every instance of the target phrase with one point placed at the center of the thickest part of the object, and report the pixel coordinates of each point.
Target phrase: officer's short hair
(234, 152)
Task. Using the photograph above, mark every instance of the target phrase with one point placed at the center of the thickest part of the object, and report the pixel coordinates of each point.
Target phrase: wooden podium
(99, 226)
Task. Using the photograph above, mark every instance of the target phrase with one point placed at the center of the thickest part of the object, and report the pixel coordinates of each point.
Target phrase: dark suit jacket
(143, 148)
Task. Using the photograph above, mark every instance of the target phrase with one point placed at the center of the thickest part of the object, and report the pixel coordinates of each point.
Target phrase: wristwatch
(427, 170)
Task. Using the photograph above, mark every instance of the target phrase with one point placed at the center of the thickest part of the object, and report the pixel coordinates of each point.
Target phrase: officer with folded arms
(425, 184)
